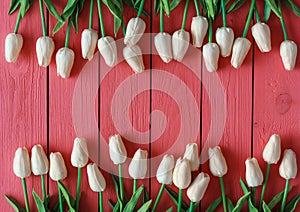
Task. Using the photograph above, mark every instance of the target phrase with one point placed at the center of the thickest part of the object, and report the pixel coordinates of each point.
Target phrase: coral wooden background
(35, 105)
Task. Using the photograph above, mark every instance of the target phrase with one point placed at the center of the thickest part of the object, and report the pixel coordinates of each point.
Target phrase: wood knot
(283, 103)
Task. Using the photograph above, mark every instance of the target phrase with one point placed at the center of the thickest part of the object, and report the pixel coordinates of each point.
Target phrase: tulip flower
(134, 31)
(191, 154)
(254, 176)
(22, 170)
(44, 49)
(13, 46)
(199, 28)
(89, 39)
(224, 38)
(211, 54)
(108, 49)
(287, 170)
(180, 44)
(64, 62)
(163, 45)
(262, 35)
(288, 53)
(134, 58)
(240, 50)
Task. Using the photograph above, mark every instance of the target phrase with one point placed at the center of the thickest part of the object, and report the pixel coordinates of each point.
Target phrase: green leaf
(166, 4)
(267, 12)
(290, 4)
(145, 206)
(13, 6)
(114, 10)
(235, 5)
(244, 187)
(56, 206)
(52, 10)
(14, 204)
(210, 9)
(145, 196)
(291, 206)
(252, 208)
(174, 4)
(58, 26)
(169, 209)
(117, 25)
(213, 206)
(229, 204)
(274, 8)
(25, 5)
(156, 6)
(117, 206)
(241, 202)
(130, 206)
(265, 207)
(39, 203)
(174, 198)
(74, 19)
(277, 198)
(69, 9)
(69, 199)
(111, 204)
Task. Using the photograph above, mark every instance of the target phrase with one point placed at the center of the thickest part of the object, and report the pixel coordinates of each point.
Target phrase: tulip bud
(138, 166)
(13, 46)
(211, 54)
(58, 170)
(262, 35)
(272, 150)
(44, 49)
(182, 173)
(199, 28)
(108, 49)
(288, 53)
(288, 167)
(134, 31)
(22, 163)
(80, 153)
(64, 62)
(164, 173)
(117, 150)
(180, 44)
(96, 180)
(240, 50)
(217, 162)
(197, 189)
(39, 160)
(134, 58)
(254, 176)
(224, 38)
(89, 39)
(163, 45)
(191, 154)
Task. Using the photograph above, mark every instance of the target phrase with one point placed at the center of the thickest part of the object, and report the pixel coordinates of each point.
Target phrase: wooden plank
(23, 103)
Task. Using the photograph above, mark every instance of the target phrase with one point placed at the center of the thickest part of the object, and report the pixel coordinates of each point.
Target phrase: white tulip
(225, 38)
(164, 174)
(288, 167)
(58, 170)
(288, 53)
(44, 49)
(134, 58)
(199, 28)
(217, 162)
(262, 35)
(89, 38)
(39, 160)
(138, 166)
(254, 175)
(191, 154)
(96, 180)
(197, 189)
(180, 44)
(240, 50)
(117, 150)
(108, 49)
(22, 163)
(211, 54)
(163, 45)
(64, 62)
(182, 173)
(134, 31)
(272, 150)
(80, 153)
(13, 46)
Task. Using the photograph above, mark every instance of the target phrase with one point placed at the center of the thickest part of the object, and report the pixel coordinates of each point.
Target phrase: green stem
(249, 18)
(161, 17)
(179, 200)
(257, 15)
(100, 202)
(185, 13)
(141, 8)
(43, 187)
(134, 185)
(17, 23)
(121, 182)
(286, 190)
(101, 18)
(68, 34)
(223, 13)
(197, 7)
(43, 18)
(123, 28)
(192, 204)
(264, 185)
(282, 22)
(61, 209)
(78, 189)
(158, 197)
(25, 194)
(210, 30)
(91, 14)
(253, 193)
(223, 194)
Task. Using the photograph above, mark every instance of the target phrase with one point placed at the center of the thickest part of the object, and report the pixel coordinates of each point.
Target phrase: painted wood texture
(260, 99)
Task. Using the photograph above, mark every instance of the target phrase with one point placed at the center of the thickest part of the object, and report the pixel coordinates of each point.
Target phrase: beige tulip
(89, 38)
(13, 46)
(134, 58)
(108, 49)
(288, 53)
(164, 174)
(39, 160)
(44, 49)
(197, 189)
(182, 173)
(240, 50)
(288, 167)
(163, 45)
(21, 165)
(211, 54)
(64, 62)
(96, 180)
(192, 155)
(225, 38)
(262, 35)
(58, 169)
(138, 166)
(272, 150)
(254, 175)
(134, 31)
(80, 153)
(117, 150)
(199, 28)
(217, 162)
(180, 44)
